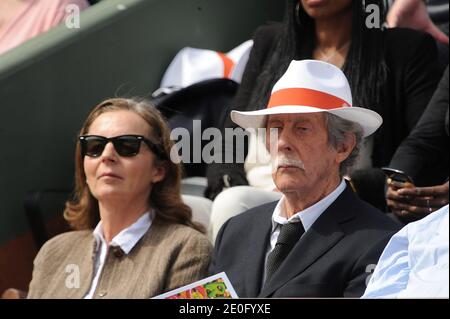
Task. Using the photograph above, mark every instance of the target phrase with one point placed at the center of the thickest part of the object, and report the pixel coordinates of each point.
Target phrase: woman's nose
(109, 153)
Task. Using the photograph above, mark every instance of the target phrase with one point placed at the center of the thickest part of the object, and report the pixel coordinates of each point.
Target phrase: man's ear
(345, 148)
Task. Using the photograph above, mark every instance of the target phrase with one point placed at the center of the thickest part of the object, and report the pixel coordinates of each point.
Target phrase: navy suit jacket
(332, 259)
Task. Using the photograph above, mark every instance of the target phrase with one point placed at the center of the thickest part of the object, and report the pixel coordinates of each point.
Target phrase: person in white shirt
(415, 263)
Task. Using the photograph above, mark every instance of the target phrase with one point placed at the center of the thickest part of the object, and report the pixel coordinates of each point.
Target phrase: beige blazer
(166, 257)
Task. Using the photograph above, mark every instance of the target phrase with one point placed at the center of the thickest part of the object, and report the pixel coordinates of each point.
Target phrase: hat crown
(318, 76)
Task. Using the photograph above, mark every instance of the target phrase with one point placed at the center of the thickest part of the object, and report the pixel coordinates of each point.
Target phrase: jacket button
(102, 293)
(118, 252)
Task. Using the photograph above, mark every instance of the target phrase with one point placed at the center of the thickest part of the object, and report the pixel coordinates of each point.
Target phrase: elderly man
(319, 240)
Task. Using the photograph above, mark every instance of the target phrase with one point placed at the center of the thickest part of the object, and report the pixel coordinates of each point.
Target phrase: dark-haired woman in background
(392, 71)
(424, 157)
(127, 188)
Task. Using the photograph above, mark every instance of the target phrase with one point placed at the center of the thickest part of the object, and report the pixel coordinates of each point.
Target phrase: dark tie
(289, 235)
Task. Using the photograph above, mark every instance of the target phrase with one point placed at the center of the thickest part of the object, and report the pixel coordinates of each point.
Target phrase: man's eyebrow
(302, 121)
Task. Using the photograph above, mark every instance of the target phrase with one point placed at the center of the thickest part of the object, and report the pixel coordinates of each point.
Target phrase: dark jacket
(332, 259)
(423, 155)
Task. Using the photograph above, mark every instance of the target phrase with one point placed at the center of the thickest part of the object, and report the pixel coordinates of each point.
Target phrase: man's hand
(413, 14)
(411, 203)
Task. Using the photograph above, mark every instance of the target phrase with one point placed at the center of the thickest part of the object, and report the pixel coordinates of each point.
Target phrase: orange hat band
(227, 64)
(305, 97)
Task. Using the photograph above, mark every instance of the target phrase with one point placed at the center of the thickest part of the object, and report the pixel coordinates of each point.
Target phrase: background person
(415, 263)
(20, 20)
(424, 157)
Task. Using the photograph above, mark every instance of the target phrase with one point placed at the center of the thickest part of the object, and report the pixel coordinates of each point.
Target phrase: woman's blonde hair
(82, 211)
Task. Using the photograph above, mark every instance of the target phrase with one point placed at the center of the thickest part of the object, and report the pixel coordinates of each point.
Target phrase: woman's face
(321, 9)
(113, 177)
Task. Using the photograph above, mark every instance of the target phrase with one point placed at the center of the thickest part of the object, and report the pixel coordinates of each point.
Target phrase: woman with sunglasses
(134, 236)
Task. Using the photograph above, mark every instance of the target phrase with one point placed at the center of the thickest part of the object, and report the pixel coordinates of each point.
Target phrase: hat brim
(368, 119)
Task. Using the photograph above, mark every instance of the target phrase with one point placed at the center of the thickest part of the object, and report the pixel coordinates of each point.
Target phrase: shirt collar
(309, 215)
(129, 236)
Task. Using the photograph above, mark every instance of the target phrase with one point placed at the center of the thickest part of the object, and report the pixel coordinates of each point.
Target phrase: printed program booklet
(217, 286)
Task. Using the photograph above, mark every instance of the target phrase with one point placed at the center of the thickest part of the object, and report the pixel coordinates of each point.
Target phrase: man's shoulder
(369, 218)
(431, 223)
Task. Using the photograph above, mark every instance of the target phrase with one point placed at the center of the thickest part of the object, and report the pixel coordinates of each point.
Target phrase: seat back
(38, 205)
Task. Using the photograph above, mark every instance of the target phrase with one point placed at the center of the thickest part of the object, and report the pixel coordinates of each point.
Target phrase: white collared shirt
(126, 240)
(307, 216)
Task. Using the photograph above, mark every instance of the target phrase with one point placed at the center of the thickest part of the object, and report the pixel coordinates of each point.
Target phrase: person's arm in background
(411, 203)
(63, 10)
(425, 147)
(224, 174)
(420, 79)
(413, 14)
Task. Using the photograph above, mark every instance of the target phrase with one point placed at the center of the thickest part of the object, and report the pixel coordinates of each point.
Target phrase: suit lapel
(324, 234)
(259, 235)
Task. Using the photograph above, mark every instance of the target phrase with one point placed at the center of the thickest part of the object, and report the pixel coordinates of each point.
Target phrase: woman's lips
(109, 175)
(315, 3)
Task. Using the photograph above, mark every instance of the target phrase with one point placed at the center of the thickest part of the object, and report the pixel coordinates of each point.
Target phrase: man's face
(302, 159)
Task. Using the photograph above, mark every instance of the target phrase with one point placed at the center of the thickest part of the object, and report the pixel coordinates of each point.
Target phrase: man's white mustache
(283, 161)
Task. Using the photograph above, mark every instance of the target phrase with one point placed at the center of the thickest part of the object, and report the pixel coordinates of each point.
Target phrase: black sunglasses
(125, 145)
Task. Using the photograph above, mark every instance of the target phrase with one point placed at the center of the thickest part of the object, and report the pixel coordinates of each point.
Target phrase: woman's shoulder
(407, 39)
(270, 29)
(410, 49)
(171, 234)
(64, 240)
(268, 33)
(182, 231)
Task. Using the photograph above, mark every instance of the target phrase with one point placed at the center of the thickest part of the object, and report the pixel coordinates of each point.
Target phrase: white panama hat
(193, 65)
(310, 86)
